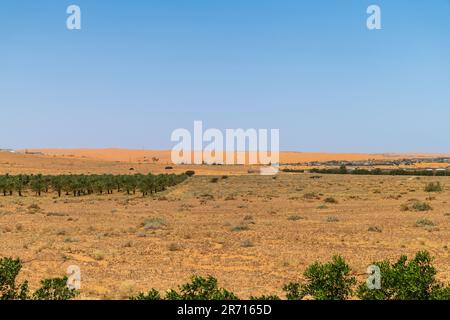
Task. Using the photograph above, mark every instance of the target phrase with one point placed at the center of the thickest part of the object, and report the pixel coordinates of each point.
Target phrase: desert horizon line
(281, 151)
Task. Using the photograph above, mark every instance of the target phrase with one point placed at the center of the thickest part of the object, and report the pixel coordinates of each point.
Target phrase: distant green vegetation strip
(378, 171)
(78, 185)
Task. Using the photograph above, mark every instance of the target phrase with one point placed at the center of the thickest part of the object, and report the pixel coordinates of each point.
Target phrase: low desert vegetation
(330, 200)
(240, 227)
(247, 219)
(153, 223)
(295, 217)
(329, 281)
(378, 171)
(407, 280)
(79, 185)
(416, 205)
(433, 187)
(10, 289)
(311, 196)
(423, 222)
(402, 280)
(198, 289)
(375, 228)
(247, 244)
(332, 219)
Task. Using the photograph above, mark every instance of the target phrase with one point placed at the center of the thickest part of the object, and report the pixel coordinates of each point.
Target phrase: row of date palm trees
(78, 185)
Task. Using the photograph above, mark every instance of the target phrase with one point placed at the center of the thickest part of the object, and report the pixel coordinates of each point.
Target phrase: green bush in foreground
(403, 280)
(54, 289)
(51, 289)
(329, 281)
(199, 289)
(9, 289)
(265, 298)
(153, 294)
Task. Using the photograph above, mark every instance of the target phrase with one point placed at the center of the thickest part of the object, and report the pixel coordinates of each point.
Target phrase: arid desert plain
(253, 233)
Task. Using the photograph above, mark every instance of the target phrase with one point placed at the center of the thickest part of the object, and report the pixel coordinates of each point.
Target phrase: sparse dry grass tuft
(332, 219)
(154, 223)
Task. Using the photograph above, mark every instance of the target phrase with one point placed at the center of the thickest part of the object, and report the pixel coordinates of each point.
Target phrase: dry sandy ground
(130, 155)
(45, 164)
(254, 233)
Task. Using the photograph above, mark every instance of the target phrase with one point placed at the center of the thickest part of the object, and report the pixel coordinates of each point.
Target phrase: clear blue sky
(140, 69)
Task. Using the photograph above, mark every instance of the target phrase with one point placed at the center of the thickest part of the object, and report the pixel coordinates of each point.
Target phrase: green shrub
(265, 298)
(200, 289)
(51, 289)
(153, 294)
(294, 291)
(403, 280)
(54, 289)
(9, 289)
(329, 281)
(441, 293)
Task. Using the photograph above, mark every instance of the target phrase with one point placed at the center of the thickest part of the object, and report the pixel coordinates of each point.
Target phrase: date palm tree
(79, 185)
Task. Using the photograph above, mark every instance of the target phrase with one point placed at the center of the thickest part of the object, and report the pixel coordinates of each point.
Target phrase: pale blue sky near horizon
(140, 69)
